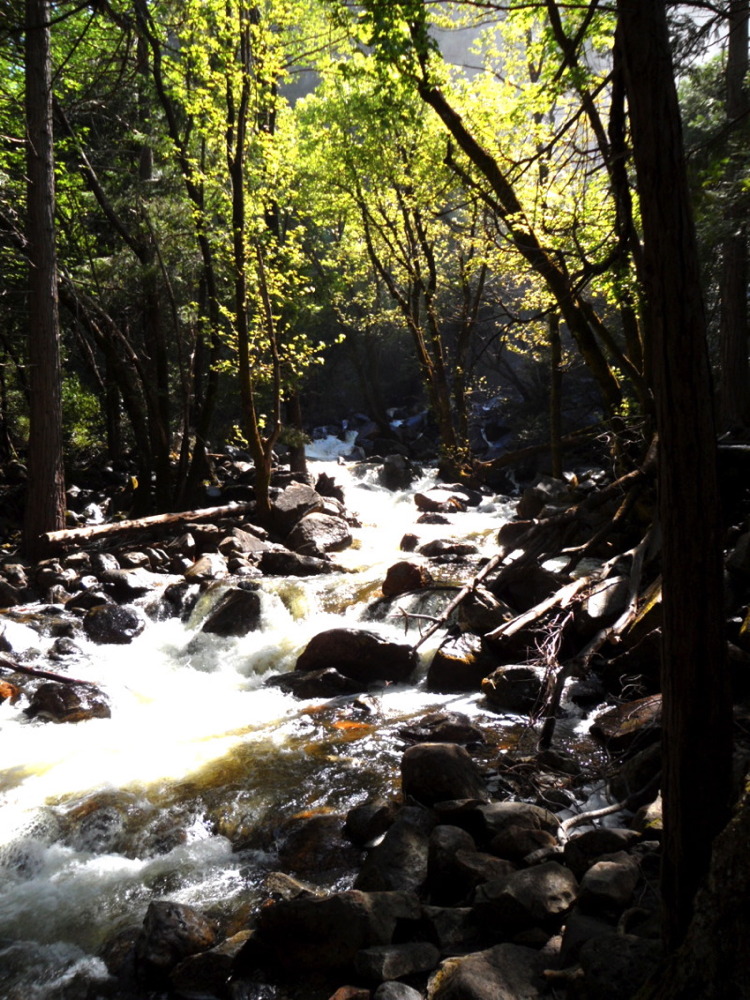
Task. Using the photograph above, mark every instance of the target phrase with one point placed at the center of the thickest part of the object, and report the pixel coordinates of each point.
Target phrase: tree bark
(697, 720)
(45, 505)
(734, 395)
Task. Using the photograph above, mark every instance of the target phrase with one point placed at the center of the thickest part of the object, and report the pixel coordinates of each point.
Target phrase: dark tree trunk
(734, 395)
(697, 716)
(555, 397)
(45, 506)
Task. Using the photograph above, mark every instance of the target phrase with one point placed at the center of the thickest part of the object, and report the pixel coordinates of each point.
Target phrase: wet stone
(434, 772)
(112, 623)
(237, 612)
(58, 702)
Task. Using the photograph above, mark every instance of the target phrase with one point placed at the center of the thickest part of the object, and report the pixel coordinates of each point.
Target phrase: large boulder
(436, 772)
(325, 683)
(400, 860)
(318, 533)
(443, 727)
(398, 473)
(630, 726)
(514, 688)
(533, 897)
(237, 612)
(390, 961)
(362, 655)
(505, 972)
(460, 664)
(282, 562)
(405, 576)
(112, 623)
(55, 702)
(171, 932)
(292, 504)
(440, 501)
(312, 933)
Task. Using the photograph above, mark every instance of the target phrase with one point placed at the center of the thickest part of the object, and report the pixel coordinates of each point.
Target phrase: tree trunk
(697, 719)
(555, 397)
(734, 392)
(45, 506)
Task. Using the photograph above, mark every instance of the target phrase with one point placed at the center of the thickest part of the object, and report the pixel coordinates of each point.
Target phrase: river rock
(446, 884)
(398, 473)
(514, 688)
(438, 501)
(505, 972)
(365, 656)
(516, 842)
(127, 584)
(9, 692)
(291, 505)
(481, 612)
(239, 541)
(583, 850)
(392, 961)
(314, 844)
(630, 726)
(396, 991)
(327, 933)
(617, 965)
(497, 817)
(441, 547)
(318, 533)
(55, 702)
(434, 772)
(171, 932)
(282, 562)
(400, 860)
(474, 868)
(406, 576)
(326, 683)
(112, 623)
(237, 612)
(609, 884)
(452, 928)
(579, 928)
(209, 566)
(443, 727)
(206, 973)
(460, 664)
(369, 821)
(534, 897)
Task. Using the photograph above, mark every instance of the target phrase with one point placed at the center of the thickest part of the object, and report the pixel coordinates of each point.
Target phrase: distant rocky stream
(233, 768)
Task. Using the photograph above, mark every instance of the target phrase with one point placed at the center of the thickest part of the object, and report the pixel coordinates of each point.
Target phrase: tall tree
(696, 699)
(733, 334)
(45, 506)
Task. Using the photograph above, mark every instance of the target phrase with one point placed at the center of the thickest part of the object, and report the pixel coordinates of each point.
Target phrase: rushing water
(179, 795)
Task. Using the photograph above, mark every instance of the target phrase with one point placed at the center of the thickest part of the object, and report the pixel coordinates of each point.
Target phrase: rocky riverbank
(474, 878)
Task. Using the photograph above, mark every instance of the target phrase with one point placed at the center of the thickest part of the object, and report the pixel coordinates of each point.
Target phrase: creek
(181, 794)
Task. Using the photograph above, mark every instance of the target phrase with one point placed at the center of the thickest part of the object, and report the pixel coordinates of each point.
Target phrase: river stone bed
(460, 878)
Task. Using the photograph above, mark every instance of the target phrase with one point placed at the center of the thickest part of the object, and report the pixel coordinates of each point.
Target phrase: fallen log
(55, 538)
(19, 668)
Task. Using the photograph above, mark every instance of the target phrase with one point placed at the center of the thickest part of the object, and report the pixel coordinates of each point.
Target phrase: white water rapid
(177, 795)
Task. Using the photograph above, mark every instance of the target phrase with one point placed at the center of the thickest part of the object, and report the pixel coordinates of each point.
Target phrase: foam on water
(183, 702)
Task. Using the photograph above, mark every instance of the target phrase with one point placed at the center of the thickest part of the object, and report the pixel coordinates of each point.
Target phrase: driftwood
(19, 668)
(55, 538)
(538, 541)
(580, 663)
